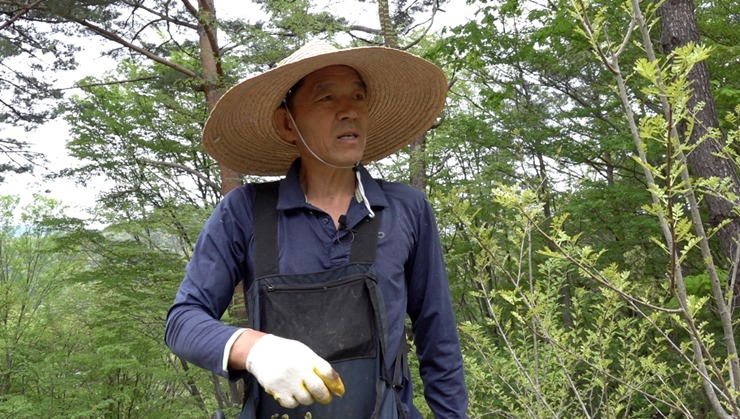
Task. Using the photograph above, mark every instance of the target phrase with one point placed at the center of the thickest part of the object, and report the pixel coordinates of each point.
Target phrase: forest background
(584, 174)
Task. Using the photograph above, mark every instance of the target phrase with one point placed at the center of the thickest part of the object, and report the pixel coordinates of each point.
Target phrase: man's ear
(284, 125)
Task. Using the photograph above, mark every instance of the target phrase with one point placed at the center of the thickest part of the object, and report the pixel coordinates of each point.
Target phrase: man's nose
(348, 109)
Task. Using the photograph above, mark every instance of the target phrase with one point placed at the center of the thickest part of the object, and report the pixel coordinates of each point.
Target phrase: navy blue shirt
(409, 265)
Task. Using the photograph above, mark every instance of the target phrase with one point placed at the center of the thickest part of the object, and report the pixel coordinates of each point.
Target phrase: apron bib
(338, 313)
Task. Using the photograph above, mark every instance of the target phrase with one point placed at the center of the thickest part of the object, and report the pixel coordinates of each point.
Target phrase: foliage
(613, 354)
(148, 157)
(541, 292)
(83, 314)
(584, 283)
(32, 277)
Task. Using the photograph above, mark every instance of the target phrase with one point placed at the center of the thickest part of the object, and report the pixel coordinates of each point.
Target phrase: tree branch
(117, 39)
(167, 18)
(364, 29)
(20, 14)
(424, 34)
(109, 83)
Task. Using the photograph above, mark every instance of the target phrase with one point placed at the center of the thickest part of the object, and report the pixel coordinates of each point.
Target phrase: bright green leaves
(548, 340)
(34, 274)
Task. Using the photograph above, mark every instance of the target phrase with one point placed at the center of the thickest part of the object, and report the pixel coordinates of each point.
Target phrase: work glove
(292, 373)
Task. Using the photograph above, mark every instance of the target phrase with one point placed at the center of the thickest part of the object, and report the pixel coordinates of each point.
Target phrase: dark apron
(338, 313)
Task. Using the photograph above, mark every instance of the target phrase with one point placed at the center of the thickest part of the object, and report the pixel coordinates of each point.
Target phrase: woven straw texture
(405, 96)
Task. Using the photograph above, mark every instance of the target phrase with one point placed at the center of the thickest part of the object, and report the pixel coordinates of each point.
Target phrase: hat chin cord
(354, 167)
(309, 148)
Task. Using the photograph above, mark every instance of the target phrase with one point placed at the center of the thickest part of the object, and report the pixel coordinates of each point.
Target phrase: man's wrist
(227, 348)
(237, 356)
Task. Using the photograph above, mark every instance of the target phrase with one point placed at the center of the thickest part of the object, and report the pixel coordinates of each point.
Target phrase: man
(331, 259)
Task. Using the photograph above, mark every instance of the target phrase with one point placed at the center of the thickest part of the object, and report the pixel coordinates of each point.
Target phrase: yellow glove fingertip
(337, 388)
(325, 401)
(333, 381)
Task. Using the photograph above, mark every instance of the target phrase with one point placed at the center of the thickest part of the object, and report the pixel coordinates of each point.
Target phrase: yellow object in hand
(333, 382)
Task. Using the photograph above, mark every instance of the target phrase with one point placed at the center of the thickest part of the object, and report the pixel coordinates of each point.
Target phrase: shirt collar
(291, 194)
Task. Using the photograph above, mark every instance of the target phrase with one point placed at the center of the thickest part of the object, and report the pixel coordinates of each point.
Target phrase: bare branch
(364, 29)
(424, 34)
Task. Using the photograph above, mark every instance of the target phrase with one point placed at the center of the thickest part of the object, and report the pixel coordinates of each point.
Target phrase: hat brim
(405, 96)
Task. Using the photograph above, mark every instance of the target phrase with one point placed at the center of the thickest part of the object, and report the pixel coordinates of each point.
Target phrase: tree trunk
(417, 164)
(213, 87)
(387, 30)
(678, 27)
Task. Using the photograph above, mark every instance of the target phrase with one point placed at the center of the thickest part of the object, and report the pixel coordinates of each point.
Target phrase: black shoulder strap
(265, 225)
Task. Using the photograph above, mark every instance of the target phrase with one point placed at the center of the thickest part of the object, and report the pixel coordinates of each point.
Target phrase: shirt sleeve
(433, 321)
(227, 349)
(194, 330)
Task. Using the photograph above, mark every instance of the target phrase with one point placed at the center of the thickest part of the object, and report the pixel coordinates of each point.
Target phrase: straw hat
(405, 95)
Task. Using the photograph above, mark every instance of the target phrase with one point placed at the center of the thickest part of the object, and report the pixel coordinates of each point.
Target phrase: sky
(51, 138)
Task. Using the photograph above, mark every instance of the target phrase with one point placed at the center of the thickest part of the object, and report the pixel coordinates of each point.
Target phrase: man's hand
(292, 373)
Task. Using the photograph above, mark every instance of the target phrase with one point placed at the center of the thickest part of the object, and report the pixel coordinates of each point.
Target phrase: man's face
(330, 110)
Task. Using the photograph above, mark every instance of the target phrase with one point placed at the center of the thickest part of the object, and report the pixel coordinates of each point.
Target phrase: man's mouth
(347, 136)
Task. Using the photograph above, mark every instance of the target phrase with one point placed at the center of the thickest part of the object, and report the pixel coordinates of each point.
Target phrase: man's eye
(325, 98)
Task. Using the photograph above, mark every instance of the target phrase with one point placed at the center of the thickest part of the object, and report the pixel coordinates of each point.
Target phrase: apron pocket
(334, 319)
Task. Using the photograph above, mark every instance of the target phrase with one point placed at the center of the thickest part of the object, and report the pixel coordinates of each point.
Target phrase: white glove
(292, 373)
